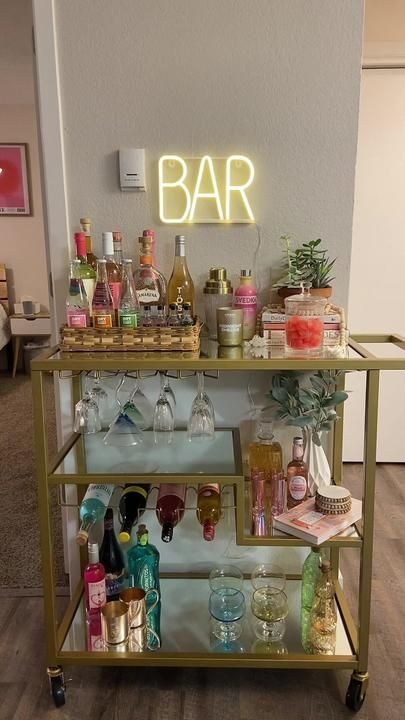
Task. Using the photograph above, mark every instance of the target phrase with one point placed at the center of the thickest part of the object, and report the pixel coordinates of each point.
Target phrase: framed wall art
(14, 179)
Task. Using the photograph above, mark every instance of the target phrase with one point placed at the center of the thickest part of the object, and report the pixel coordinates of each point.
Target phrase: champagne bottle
(77, 304)
(103, 308)
(209, 508)
(94, 581)
(181, 287)
(170, 508)
(93, 509)
(143, 569)
(129, 309)
(112, 558)
(132, 505)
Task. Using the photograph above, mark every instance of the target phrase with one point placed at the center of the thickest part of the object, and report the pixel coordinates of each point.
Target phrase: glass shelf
(185, 628)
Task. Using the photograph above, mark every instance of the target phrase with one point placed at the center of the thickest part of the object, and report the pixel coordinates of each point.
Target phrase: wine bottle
(94, 581)
(112, 559)
(129, 309)
(117, 243)
(209, 508)
(297, 475)
(143, 569)
(92, 509)
(181, 287)
(87, 273)
(132, 505)
(85, 224)
(103, 307)
(170, 508)
(113, 269)
(77, 304)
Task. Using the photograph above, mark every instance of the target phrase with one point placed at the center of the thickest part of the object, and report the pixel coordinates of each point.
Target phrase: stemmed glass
(269, 602)
(127, 428)
(100, 396)
(168, 390)
(87, 416)
(201, 424)
(163, 419)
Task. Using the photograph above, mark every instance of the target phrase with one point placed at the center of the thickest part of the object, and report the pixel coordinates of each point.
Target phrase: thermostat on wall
(132, 169)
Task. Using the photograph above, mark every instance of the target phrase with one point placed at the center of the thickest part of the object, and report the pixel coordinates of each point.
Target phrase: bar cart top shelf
(364, 352)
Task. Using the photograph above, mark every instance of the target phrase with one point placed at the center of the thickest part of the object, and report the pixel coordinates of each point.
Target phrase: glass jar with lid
(218, 292)
(304, 322)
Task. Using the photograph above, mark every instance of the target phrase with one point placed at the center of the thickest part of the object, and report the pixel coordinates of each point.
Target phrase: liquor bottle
(94, 581)
(95, 640)
(160, 319)
(147, 319)
(113, 269)
(297, 475)
(87, 273)
(77, 304)
(258, 486)
(143, 570)
(92, 509)
(152, 238)
(103, 307)
(149, 282)
(209, 508)
(323, 618)
(129, 310)
(132, 506)
(85, 224)
(266, 455)
(170, 507)
(246, 300)
(311, 572)
(187, 320)
(173, 317)
(117, 243)
(180, 283)
(112, 559)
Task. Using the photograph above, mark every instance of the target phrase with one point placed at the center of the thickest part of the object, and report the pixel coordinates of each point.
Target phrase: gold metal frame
(358, 633)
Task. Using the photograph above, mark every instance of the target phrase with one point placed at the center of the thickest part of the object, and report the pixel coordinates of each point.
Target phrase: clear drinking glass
(87, 417)
(168, 391)
(268, 575)
(270, 608)
(100, 396)
(201, 424)
(127, 428)
(163, 420)
(225, 576)
(227, 608)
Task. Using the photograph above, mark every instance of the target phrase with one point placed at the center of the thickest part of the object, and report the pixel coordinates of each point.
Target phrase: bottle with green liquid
(311, 572)
(143, 570)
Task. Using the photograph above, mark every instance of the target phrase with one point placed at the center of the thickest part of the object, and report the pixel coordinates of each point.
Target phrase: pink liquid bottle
(246, 299)
(94, 581)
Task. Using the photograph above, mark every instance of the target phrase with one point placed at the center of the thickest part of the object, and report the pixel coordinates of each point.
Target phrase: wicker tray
(165, 339)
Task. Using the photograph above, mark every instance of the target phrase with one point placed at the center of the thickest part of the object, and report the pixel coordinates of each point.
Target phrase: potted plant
(309, 402)
(306, 263)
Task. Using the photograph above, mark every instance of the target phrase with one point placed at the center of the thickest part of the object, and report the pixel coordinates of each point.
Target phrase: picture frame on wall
(15, 196)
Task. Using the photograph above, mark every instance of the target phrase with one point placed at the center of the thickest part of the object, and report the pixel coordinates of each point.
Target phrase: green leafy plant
(308, 402)
(306, 263)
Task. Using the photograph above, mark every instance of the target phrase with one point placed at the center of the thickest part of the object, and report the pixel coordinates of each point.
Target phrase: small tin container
(230, 326)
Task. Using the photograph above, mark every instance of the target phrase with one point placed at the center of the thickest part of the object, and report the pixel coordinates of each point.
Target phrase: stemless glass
(87, 417)
(163, 420)
(227, 608)
(225, 576)
(201, 424)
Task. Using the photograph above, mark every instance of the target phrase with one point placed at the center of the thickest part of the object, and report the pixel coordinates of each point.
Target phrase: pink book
(304, 522)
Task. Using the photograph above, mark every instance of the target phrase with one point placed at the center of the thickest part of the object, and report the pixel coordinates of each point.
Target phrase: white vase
(318, 466)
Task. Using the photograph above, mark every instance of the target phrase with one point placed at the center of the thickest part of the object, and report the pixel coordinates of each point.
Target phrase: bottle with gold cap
(132, 505)
(92, 509)
(218, 292)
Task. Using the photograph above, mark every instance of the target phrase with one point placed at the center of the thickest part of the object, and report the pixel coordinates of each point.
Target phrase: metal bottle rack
(66, 638)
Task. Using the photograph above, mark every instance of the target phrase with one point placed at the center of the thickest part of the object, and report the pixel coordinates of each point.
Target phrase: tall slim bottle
(92, 509)
(129, 309)
(77, 304)
(117, 242)
(181, 284)
(112, 559)
(311, 572)
(132, 505)
(170, 508)
(113, 269)
(87, 273)
(103, 308)
(143, 569)
(85, 224)
(209, 508)
(297, 475)
(246, 299)
(94, 582)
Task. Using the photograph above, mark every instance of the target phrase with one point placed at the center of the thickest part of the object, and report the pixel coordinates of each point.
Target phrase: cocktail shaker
(218, 292)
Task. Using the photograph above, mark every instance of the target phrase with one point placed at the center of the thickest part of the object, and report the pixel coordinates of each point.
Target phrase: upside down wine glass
(201, 424)
(163, 420)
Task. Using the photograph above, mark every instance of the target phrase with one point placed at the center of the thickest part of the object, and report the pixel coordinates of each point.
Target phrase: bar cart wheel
(57, 684)
(356, 692)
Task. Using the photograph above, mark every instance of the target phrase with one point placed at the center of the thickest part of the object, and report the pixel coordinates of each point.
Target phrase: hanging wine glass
(87, 417)
(168, 390)
(127, 428)
(100, 396)
(201, 424)
(163, 420)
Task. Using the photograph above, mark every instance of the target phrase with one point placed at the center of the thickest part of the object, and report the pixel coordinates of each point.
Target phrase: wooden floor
(200, 694)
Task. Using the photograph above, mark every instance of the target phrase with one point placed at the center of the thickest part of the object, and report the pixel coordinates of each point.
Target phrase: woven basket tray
(131, 340)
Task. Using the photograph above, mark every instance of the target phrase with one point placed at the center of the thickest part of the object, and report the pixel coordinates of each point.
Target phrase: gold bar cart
(66, 636)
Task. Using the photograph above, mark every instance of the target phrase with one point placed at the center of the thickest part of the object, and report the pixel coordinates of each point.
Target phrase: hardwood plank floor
(195, 694)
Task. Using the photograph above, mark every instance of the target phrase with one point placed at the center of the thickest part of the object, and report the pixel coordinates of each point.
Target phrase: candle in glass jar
(230, 326)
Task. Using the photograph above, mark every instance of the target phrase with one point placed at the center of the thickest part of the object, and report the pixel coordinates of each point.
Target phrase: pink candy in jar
(304, 322)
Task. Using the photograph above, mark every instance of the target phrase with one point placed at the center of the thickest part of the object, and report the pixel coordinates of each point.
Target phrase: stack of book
(273, 326)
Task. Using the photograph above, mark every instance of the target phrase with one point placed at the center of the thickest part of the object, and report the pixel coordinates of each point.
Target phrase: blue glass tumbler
(227, 607)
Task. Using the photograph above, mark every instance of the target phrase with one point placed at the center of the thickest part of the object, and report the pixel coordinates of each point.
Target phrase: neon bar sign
(205, 190)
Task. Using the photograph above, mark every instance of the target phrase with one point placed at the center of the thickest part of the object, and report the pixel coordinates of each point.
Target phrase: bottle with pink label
(77, 304)
(94, 581)
(246, 299)
(113, 268)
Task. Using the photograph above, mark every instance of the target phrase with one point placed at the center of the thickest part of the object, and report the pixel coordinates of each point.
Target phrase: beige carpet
(19, 530)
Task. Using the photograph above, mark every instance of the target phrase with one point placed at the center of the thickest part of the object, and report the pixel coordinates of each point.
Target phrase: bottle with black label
(112, 559)
(297, 475)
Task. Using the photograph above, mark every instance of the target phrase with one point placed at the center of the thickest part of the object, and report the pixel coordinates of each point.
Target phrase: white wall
(276, 80)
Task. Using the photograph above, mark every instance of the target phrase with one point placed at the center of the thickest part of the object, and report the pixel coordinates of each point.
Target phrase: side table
(27, 326)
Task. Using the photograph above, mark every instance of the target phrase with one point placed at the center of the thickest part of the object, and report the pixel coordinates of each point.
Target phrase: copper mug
(114, 622)
(135, 600)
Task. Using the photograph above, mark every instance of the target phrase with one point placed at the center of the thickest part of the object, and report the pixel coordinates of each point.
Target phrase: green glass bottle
(143, 569)
(311, 571)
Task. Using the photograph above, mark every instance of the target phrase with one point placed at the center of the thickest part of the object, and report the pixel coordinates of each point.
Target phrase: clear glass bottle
(209, 508)
(187, 319)
(77, 304)
(129, 310)
(323, 618)
(113, 269)
(266, 455)
(147, 319)
(181, 284)
(103, 306)
(149, 282)
(117, 243)
(94, 581)
(160, 319)
(92, 509)
(87, 273)
(85, 224)
(311, 572)
(297, 475)
(173, 317)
